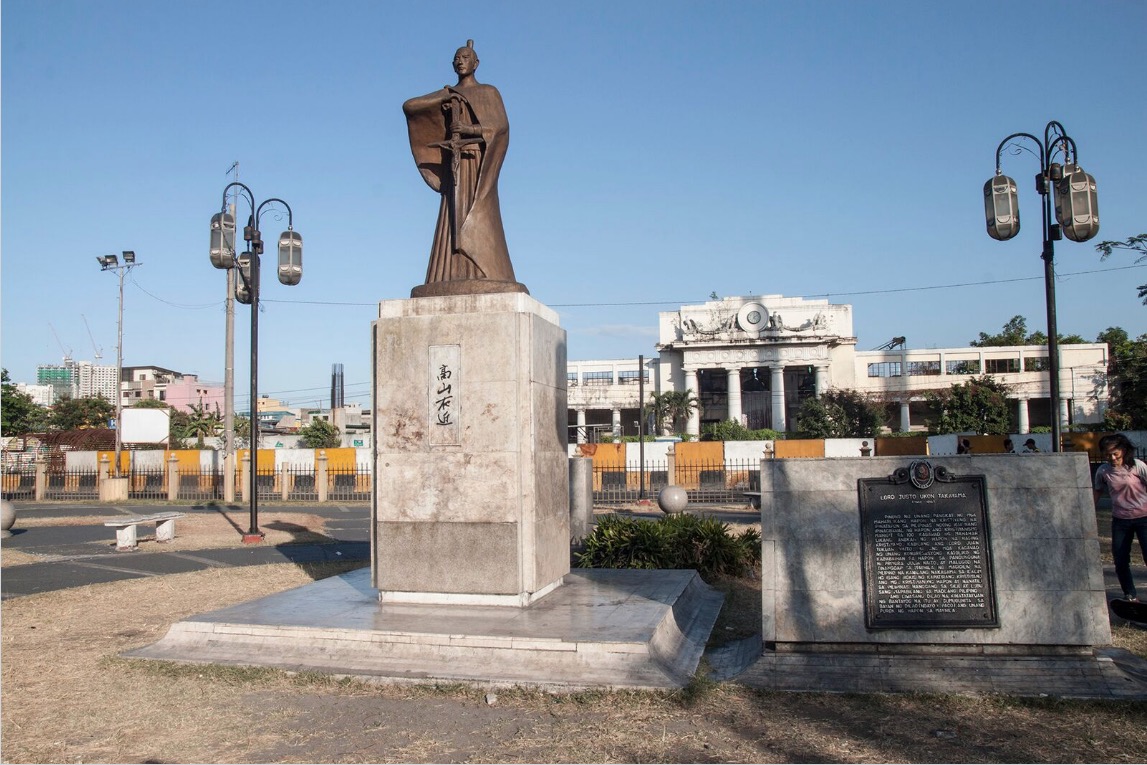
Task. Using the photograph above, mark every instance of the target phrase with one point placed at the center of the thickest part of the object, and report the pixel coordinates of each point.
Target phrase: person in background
(1030, 447)
(1124, 478)
(1009, 447)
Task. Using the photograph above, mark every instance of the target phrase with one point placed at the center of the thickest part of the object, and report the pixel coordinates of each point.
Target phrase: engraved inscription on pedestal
(926, 550)
(445, 387)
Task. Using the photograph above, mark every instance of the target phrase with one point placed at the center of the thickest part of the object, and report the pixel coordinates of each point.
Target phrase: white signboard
(146, 426)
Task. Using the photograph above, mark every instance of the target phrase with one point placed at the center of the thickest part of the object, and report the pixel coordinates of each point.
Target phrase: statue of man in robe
(458, 136)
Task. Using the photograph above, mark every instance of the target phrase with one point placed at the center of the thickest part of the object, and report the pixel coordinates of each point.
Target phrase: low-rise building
(178, 390)
(755, 359)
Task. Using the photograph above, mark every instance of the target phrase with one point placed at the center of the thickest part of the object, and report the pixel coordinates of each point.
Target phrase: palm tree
(200, 423)
(672, 407)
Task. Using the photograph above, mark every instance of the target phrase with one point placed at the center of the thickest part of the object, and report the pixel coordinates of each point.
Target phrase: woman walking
(1124, 478)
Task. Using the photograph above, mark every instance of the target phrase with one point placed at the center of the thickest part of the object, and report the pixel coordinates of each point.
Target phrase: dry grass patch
(10, 557)
(68, 697)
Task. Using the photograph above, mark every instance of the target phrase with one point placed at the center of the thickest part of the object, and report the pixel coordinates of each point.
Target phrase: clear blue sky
(660, 151)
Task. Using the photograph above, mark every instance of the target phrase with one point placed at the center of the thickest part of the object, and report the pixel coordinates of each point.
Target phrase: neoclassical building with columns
(755, 359)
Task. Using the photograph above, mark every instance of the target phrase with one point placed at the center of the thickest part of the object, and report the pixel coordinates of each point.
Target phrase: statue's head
(465, 59)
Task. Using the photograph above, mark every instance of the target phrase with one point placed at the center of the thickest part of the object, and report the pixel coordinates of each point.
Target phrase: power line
(973, 284)
(195, 307)
(372, 304)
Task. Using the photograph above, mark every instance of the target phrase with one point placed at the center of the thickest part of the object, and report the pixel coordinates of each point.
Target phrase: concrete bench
(754, 498)
(125, 528)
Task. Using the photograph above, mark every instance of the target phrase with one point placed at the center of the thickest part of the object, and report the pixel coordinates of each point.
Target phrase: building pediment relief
(751, 321)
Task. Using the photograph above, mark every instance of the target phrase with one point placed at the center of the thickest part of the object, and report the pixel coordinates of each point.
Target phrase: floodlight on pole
(1071, 191)
(111, 263)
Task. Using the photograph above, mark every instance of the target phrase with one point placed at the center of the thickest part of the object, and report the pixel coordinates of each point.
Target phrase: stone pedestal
(471, 492)
(114, 490)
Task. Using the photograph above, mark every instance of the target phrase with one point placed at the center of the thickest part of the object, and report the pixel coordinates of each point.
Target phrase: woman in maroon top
(1125, 480)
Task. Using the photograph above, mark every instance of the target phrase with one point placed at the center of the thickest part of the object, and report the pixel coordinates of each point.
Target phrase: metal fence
(350, 484)
(20, 482)
(704, 482)
(73, 484)
(147, 484)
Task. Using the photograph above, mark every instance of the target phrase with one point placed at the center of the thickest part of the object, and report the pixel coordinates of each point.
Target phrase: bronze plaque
(926, 550)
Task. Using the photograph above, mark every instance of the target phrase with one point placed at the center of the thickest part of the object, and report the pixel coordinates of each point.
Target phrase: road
(71, 560)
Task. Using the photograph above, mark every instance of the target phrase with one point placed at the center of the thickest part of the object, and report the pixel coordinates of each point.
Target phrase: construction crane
(67, 351)
(98, 350)
(891, 344)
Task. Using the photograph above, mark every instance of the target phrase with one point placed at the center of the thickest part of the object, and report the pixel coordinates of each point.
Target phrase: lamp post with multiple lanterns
(1064, 186)
(247, 291)
(111, 263)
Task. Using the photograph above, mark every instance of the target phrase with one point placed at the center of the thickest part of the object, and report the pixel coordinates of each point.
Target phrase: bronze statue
(458, 136)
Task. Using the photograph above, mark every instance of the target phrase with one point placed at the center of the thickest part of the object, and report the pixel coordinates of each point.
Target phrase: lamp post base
(253, 539)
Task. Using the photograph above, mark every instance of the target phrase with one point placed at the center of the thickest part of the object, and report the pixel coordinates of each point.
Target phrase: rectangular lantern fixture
(1001, 207)
(223, 240)
(243, 283)
(1077, 204)
(290, 257)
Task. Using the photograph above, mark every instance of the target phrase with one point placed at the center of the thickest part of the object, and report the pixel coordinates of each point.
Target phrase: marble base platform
(1100, 673)
(605, 628)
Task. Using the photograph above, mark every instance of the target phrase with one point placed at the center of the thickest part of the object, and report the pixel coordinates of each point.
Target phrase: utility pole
(229, 376)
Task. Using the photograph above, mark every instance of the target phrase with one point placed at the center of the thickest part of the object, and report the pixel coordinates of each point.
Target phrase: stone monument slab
(1042, 539)
(471, 477)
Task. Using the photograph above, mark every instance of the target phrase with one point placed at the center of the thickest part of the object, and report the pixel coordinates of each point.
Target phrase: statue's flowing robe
(480, 252)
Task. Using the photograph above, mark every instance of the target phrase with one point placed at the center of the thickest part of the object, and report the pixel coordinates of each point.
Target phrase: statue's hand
(458, 129)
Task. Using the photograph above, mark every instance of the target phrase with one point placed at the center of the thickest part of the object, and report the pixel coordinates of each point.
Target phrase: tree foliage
(1015, 332)
(242, 427)
(839, 413)
(671, 408)
(19, 414)
(73, 413)
(319, 434)
(1127, 373)
(199, 423)
(1132, 244)
(978, 406)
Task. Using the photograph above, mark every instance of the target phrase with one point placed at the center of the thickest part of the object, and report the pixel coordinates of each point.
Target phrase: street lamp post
(247, 291)
(111, 263)
(1072, 192)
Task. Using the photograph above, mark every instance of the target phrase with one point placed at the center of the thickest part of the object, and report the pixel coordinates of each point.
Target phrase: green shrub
(679, 541)
(731, 430)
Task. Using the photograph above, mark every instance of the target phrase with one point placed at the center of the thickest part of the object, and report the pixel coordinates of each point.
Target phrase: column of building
(734, 394)
(777, 385)
(1022, 422)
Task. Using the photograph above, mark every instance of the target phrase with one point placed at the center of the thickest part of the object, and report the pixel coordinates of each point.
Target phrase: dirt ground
(67, 696)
